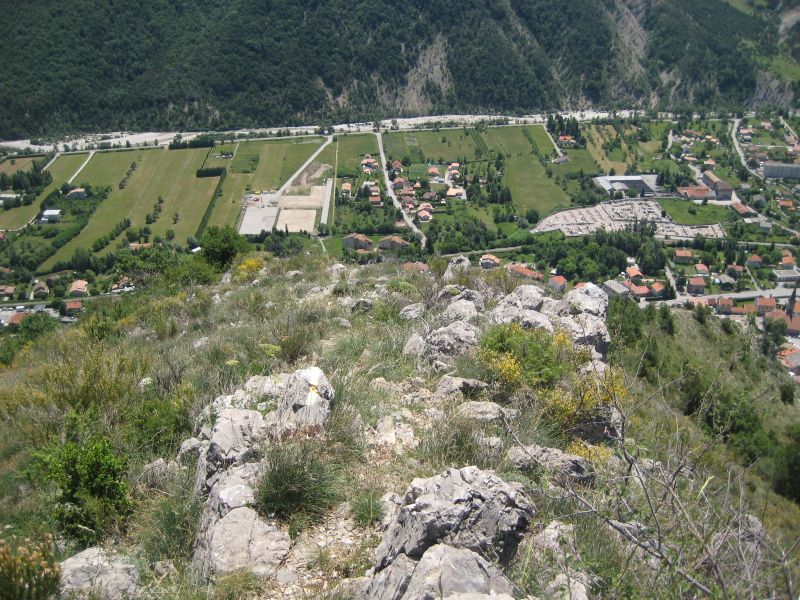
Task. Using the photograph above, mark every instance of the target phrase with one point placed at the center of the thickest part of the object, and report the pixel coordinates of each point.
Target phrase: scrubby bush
(297, 485)
(92, 492)
(28, 570)
(531, 356)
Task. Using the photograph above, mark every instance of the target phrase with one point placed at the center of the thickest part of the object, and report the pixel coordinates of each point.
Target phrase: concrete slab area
(257, 219)
(295, 220)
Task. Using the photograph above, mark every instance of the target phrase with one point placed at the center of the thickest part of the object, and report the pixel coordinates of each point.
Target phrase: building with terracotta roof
(754, 261)
(433, 171)
(742, 210)
(657, 289)
(357, 241)
(701, 269)
(765, 304)
(633, 273)
(520, 270)
(424, 215)
(683, 256)
(79, 287)
(696, 285)
(17, 318)
(697, 192)
(392, 242)
(724, 305)
(489, 261)
(558, 283)
(639, 291)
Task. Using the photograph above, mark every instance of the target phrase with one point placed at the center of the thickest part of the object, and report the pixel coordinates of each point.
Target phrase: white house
(52, 215)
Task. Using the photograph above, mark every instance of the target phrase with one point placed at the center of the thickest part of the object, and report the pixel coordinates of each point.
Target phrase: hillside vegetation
(302, 397)
(163, 65)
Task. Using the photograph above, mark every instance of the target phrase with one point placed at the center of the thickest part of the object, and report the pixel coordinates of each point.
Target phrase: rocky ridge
(451, 535)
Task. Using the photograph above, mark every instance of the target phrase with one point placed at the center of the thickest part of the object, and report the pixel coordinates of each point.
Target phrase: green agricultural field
(272, 162)
(62, 169)
(543, 140)
(525, 176)
(166, 173)
(228, 206)
(709, 214)
(579, 160)
(596, 135)
(12, 165)
(445, 146)
(352, 148)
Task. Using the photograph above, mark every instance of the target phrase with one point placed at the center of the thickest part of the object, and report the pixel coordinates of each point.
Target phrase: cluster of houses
(712, 188)
(557, 283)
(360, 243)
(369, 164)
(634, 285)
(772, 169)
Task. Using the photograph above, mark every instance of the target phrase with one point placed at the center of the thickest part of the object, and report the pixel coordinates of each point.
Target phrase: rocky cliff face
(459, 531)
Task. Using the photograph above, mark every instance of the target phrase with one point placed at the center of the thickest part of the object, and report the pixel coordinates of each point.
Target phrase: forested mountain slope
(160, 64)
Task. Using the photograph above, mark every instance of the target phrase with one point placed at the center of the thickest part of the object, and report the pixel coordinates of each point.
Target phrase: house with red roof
(696, 285)
(489, 261)
(724, 305)
(524, 272)
(701, 269)
(558, 283)
(754, 261)
(765, 304)
(633, 273)
(683, 256)
(657, 289)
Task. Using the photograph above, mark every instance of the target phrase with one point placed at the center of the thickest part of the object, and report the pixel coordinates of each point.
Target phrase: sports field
(12, 165)
(447, 145)
(62, 169)
(525, 176)
(166, 173)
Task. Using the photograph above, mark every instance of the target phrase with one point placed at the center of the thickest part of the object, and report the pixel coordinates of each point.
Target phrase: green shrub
(533, 356)
(297, 485)
(367, 508)
(28, 571)
(93, 494)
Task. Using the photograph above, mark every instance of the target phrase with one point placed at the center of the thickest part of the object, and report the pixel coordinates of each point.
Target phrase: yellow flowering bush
(596, 454)
(249, 268)
(28, 570)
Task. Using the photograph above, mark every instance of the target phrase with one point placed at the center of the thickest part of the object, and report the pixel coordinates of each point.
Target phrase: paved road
(739, 151)
(390, 190)
(785, 124)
